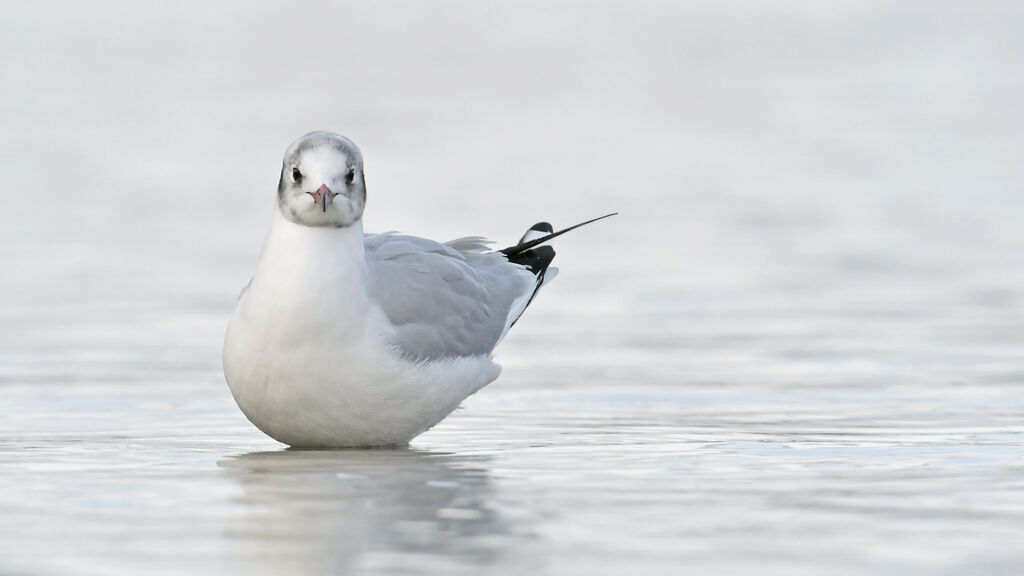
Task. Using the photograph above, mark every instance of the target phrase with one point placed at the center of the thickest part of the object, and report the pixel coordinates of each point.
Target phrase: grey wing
(444, 300)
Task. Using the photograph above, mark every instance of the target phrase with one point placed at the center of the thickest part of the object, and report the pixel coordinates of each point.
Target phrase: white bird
(343, 339)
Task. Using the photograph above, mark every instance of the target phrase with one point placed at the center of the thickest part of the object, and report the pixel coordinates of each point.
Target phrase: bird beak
(323, 196)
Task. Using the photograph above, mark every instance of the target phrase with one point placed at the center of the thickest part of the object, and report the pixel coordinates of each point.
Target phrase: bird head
(322, 181)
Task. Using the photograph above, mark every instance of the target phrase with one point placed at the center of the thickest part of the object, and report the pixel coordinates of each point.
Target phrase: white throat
(312, 274)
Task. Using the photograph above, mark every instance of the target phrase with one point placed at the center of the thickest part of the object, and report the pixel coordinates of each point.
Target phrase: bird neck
(312, 262)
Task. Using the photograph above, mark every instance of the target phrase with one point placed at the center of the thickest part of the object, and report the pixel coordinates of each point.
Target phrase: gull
(345, 339)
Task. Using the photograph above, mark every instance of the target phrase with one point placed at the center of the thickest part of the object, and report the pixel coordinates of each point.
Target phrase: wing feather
(444, 300)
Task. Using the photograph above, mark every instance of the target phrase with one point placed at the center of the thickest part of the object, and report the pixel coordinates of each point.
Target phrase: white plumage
(313, 360)
(342, 339)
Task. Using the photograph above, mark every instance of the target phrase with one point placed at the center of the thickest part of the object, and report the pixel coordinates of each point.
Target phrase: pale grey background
(798, 350)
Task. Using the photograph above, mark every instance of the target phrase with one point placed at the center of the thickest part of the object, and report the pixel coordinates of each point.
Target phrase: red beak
(323, 196)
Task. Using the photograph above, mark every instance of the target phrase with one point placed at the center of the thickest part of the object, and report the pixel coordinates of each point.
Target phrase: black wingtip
(523, 246)
(539, 227)
(536, 260)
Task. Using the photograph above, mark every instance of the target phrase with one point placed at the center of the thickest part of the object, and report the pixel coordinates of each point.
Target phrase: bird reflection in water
(312, 511)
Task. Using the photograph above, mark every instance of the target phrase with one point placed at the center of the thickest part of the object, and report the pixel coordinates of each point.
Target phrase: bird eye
(350, 176)
(296, 175)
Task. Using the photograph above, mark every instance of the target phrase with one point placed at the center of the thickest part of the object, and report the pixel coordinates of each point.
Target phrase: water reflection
(306, 512)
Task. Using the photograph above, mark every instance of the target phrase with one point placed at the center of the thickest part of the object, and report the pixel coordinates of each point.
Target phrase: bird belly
(310, 385)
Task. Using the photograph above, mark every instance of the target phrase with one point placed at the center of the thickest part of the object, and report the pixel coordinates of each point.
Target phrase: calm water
(798, 350)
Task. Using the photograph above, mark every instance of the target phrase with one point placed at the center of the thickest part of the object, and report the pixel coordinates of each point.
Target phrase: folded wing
(445, 300)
